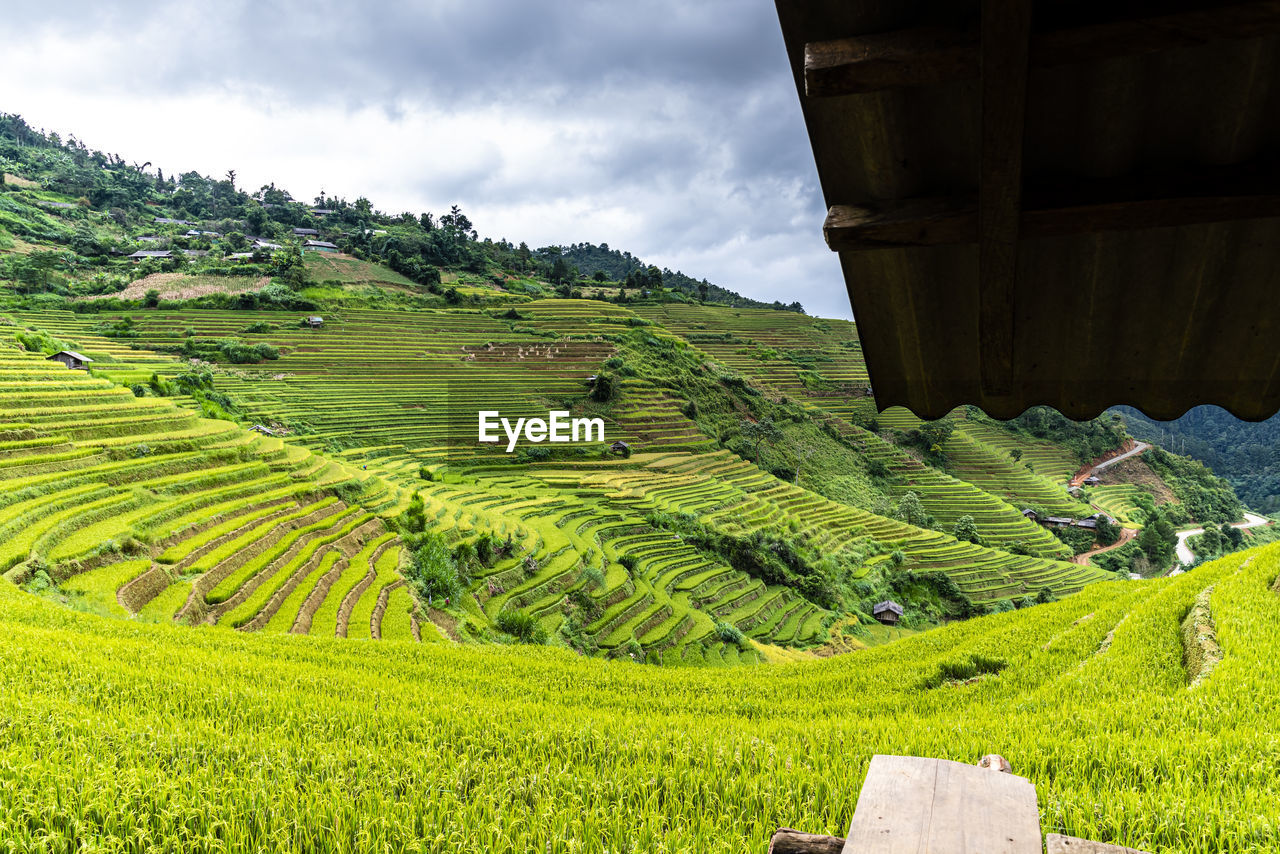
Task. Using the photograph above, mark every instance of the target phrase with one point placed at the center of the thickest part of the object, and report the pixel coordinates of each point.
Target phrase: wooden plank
(1058, 844)
(895, 806)
(910, 805)
(931, 55)
(1006, 32)
(979, 810)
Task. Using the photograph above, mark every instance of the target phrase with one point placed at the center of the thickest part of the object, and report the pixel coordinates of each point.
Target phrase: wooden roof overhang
(1065, 203)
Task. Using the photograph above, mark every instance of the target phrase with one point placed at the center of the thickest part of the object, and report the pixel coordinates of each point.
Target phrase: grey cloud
(682, 111)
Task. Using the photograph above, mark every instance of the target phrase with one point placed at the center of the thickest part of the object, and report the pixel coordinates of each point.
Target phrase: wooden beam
(893, 225)
(926, 56)
(888, 61)
(1222, 194)
(1006, 34)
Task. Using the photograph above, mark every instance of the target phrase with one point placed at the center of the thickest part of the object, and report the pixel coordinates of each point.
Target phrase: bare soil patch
(183, 286)
(1135, 470)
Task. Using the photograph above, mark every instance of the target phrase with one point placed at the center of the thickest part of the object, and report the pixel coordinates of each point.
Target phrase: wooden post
(788, 841)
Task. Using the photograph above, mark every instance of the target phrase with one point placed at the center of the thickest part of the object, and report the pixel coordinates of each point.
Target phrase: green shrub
(522, 626)
(730, 633)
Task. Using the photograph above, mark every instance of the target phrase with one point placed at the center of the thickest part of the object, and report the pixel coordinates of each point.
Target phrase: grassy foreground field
(118, 736)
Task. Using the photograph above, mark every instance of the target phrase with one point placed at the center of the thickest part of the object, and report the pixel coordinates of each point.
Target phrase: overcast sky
(664, 127)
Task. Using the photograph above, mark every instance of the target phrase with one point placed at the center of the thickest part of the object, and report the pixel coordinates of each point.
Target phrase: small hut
(314, 321)
(71, 359)
(887, 612)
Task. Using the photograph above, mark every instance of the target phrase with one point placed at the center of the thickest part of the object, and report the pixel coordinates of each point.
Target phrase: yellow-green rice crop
(120, 736)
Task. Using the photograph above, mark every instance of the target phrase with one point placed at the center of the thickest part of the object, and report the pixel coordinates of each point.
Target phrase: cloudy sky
(664, 127)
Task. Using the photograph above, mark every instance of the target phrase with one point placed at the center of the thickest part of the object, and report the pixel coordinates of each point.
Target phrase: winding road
(1186, 557)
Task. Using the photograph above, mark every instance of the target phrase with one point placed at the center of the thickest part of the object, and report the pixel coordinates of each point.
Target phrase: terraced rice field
(139, 507)
(380, 395)
(1118, 500)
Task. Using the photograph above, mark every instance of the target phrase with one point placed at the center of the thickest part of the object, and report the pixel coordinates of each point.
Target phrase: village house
(319, 246)
(164, 220)
(887, 612)
(314, 321)
(73, 360)
(305, 232)
(144, 254)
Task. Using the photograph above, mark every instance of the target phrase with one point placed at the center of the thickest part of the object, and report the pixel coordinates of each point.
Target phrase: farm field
(123, 732)
(132, 503)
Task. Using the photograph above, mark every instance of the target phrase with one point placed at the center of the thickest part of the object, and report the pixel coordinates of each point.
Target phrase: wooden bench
(910, 805)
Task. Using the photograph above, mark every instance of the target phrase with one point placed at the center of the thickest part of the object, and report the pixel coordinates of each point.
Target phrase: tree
(604, 388)
(561, 272)
(1158, 540)
(911, 511)
(256, 217)
(152, 298)
(1108, 532)
(1016, 453)
(600, 276)
(966, 530)
(760, 433)
(702, 291)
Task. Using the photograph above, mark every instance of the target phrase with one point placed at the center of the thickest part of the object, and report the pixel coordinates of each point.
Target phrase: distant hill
(1245, 453)
(617, 265)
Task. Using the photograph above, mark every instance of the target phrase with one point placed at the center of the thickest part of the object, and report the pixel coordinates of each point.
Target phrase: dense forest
(1245, 453)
